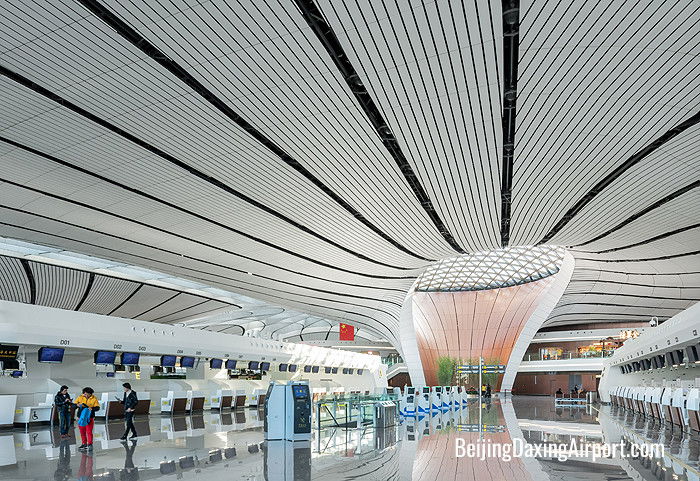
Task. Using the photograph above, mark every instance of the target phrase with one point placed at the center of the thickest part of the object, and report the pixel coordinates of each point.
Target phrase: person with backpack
(62, 403)
(87, 407)
(129, 401)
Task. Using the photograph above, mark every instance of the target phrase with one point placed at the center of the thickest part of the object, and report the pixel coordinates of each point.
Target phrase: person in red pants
(85, 471)
(86, 419)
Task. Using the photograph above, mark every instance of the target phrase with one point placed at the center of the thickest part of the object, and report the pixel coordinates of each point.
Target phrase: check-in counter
(173, 402)
(646, 400)
(693, 407)
(239, 399)
(678, 409)
(666, 404)
(7, 410)
(112, 407)
(33, 414)
(255, 400)
(656, 410)
(195, 401)
(638, 399)
(222, 399)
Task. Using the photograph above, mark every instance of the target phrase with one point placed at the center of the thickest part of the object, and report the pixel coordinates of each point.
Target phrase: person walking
(130, 401)
(62, 401)
(87, 407)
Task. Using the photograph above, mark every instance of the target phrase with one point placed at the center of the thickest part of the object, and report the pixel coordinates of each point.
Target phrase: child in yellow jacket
(87, 400)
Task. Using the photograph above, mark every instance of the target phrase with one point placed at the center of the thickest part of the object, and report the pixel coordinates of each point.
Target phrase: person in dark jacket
(129, 401)
(62, 401)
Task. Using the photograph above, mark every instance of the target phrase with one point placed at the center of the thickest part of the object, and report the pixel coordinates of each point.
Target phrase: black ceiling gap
(32, 282)
(659, 258)
(647, 241)
(511, 31)
(618, 172)
(157, 305)
(91, 280)
(138, 288)
(136, 39)
(20, 79)
(644, 211)
(325, 34)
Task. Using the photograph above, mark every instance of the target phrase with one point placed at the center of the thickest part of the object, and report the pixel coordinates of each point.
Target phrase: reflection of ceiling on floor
(253, 148)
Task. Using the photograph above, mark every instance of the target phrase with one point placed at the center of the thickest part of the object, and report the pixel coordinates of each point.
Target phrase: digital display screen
(119, 368)
(51, 354)
(327, 370)
(168, 361)
(283, 368)
(216, 363)
(345, 370)
(8, 352)
(314, 368)
(351, 371)
(230, 364)
(16, 374)
(130, 358)
(292, 368)
(301, 391)
(105, 357)
(265, 366)
(254, 365)
(334, 370)
(307, 368)
(186, 361)
(110, 374)
(359, 372)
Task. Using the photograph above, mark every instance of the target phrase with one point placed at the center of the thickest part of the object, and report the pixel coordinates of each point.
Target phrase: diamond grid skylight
(491, 270)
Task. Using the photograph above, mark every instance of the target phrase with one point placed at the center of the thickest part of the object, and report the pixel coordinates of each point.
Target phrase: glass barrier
(536, 356)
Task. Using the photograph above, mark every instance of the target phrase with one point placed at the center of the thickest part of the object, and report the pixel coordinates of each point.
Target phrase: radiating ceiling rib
(606, 103)
(328, 38)
(154, 114)
(188, 168)
(149, 49)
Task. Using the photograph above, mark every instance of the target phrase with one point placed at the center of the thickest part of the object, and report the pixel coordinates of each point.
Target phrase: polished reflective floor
(230, 446)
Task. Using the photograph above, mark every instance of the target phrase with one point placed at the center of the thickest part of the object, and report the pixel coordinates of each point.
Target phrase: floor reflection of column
(532, 466)
(436, 456)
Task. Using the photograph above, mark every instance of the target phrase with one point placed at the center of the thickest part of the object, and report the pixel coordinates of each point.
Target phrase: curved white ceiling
(231, 145)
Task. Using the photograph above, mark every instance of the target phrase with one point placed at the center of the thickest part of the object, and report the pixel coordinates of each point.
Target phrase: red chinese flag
(347, 332)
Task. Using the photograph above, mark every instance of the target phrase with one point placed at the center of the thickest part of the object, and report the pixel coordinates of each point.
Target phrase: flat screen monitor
(359, 372)
(119, 368)
(292, 368)
(168, 361)
(51, 354)
(334, 370)
(216, 363)
(307, 368)
(134, 368)
(230, 364)
(17, 373)
(10, 364)
(314, 369)
(254, 365)
(283, 367)
(301, 391)
(157, 369)
(105, 357)
(327, 370)
(130, 358)
(110, 374)
(351, 371)
(264, 366)
(345, 370)
(186, 361)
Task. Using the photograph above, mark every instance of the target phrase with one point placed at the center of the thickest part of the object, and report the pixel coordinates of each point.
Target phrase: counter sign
(8, 353)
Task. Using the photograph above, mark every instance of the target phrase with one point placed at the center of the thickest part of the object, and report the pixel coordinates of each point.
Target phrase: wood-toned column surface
(469, 324)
